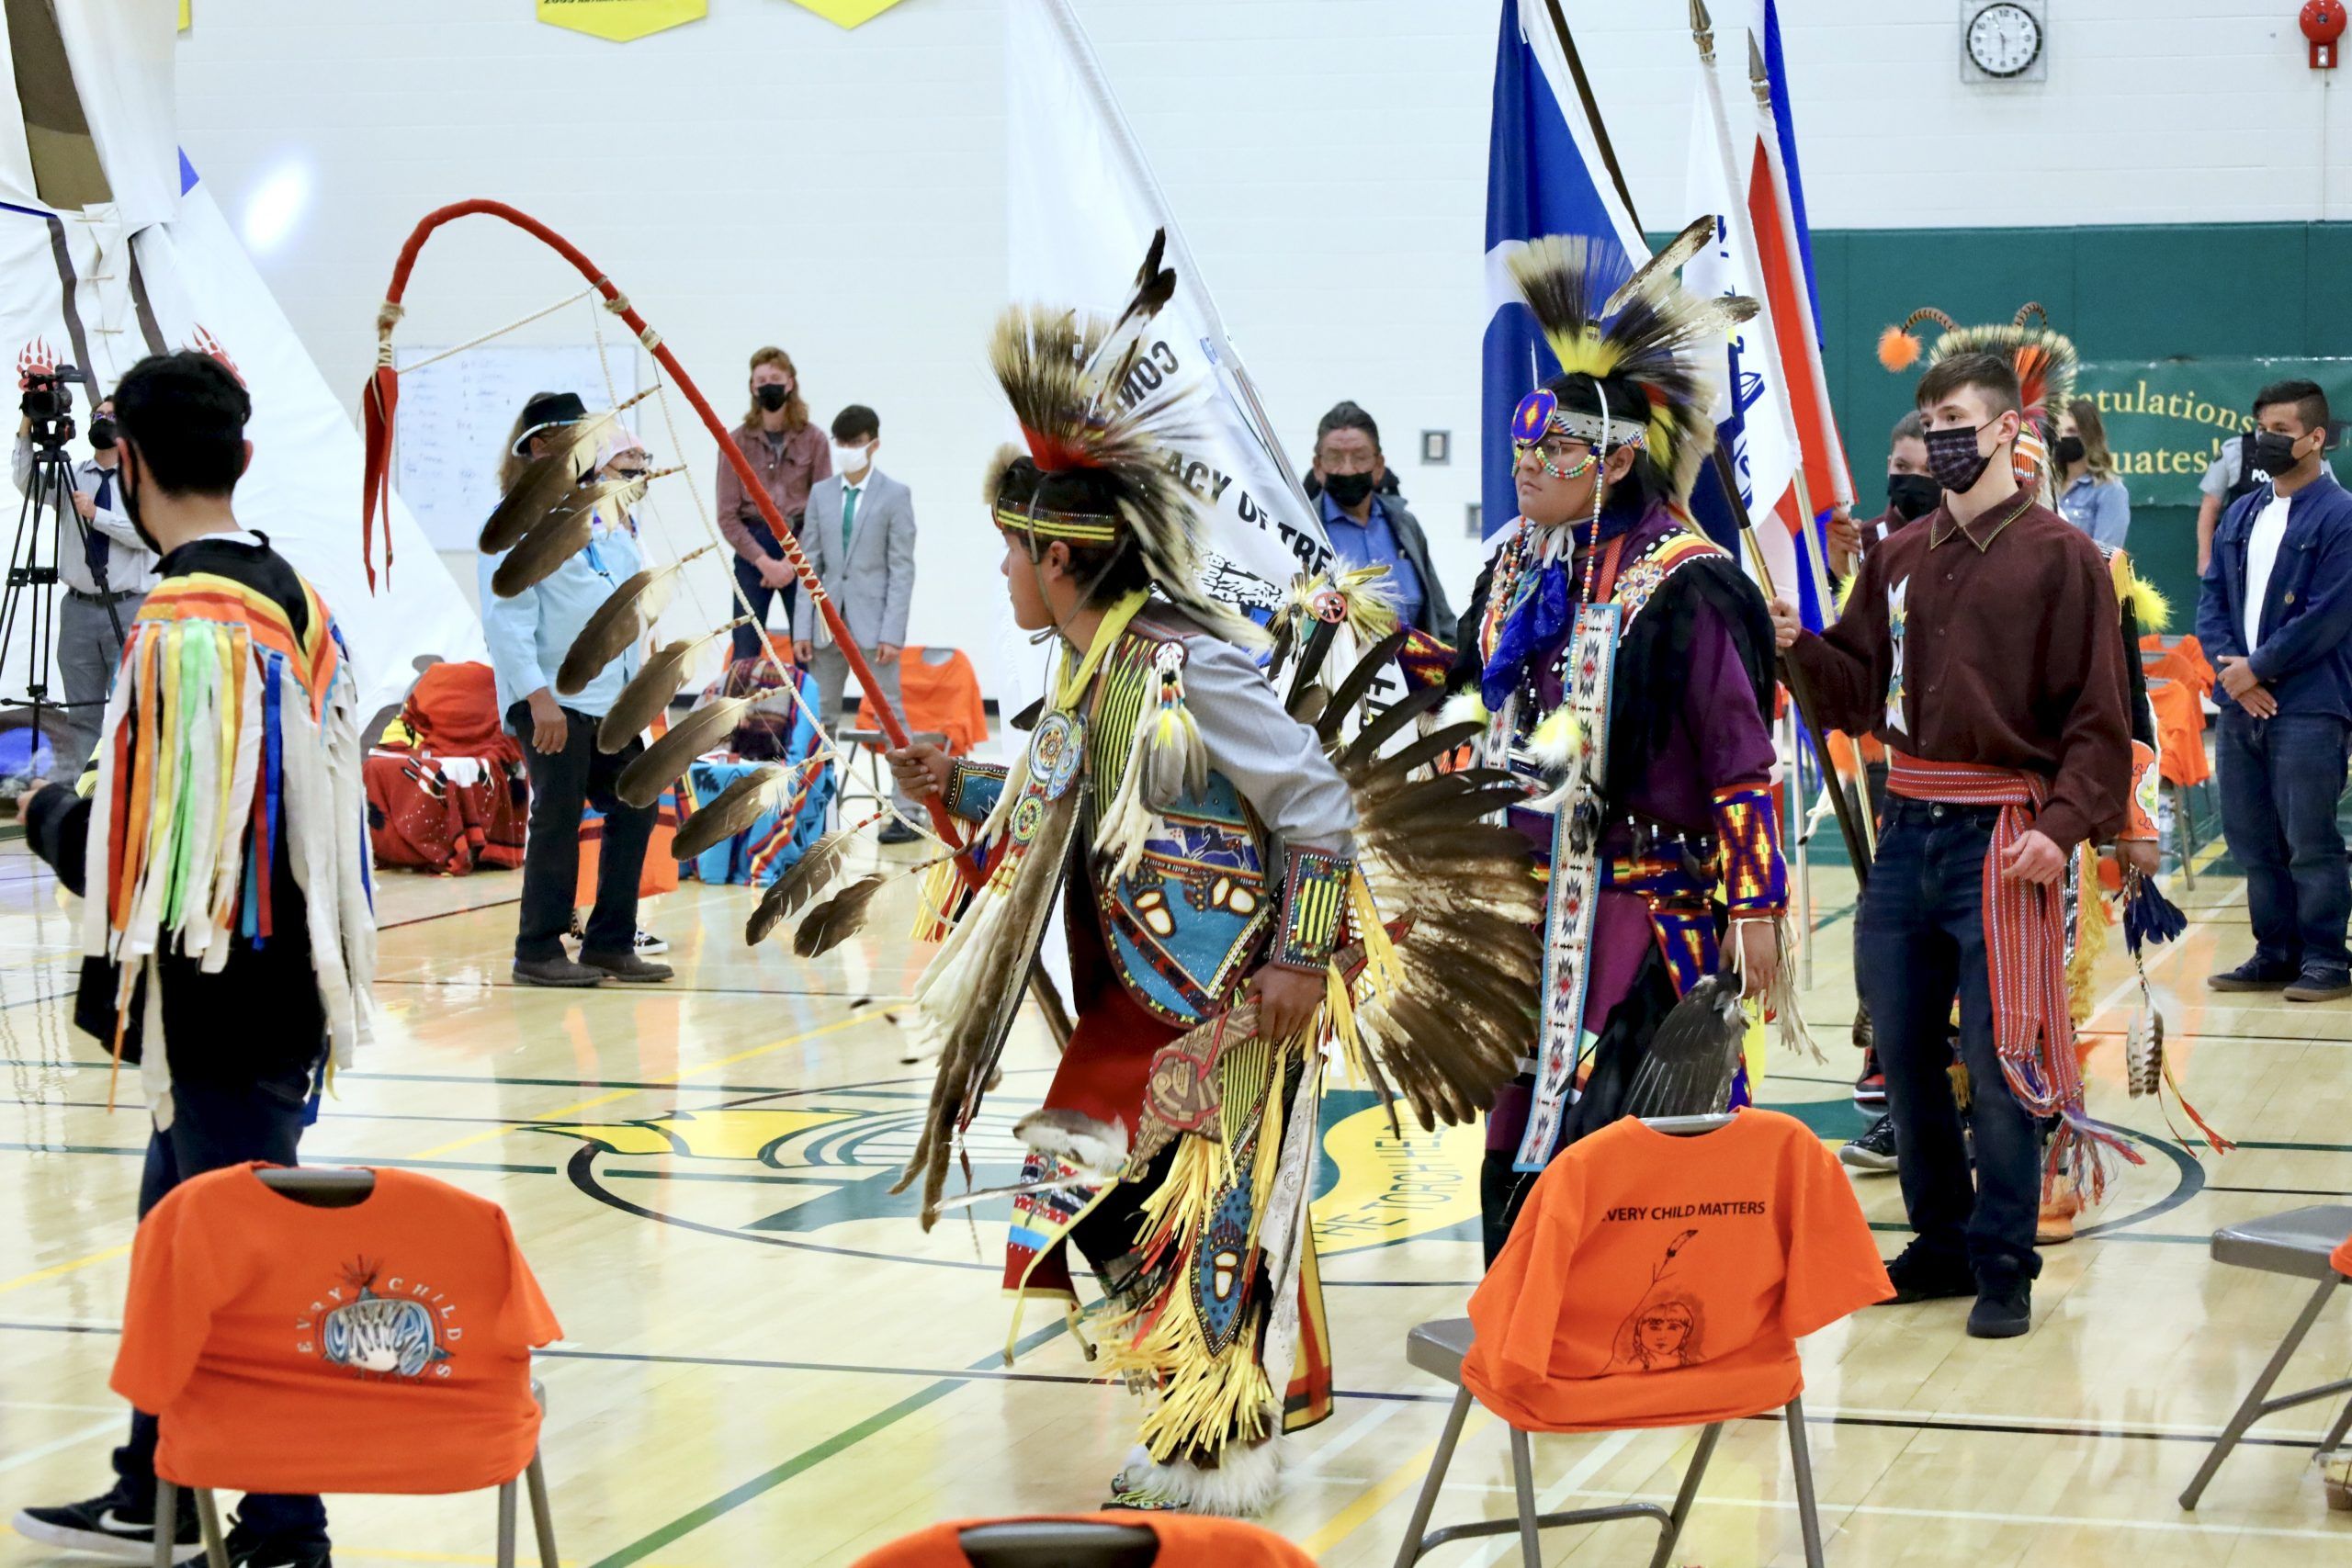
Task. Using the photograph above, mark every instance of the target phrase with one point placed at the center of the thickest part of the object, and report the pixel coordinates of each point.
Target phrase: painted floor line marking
(677, 1079)
(810, 1458)
(1549, 1500)
(111, 1427)
(1831, 1513)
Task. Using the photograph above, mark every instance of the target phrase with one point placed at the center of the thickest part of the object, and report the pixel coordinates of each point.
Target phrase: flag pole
(1702, 33)
(1759, 80)
(1800, 689)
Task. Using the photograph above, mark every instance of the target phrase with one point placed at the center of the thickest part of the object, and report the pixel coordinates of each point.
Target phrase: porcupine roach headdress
(2043, 358)
(1095, 475)
(1638, 335)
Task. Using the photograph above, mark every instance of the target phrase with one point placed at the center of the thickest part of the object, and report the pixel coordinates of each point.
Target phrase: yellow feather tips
(1584, 352)
(1467, 706)
(1660, 439)
(2139, 595)
(1555, 739)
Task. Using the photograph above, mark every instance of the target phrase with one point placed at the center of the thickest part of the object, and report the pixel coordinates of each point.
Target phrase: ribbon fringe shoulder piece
(225, 733)
(380, 404)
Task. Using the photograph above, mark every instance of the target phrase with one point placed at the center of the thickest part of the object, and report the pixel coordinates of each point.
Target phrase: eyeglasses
(1562, 456)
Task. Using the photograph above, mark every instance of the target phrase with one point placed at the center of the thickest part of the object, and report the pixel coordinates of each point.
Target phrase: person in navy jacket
(2274, 615)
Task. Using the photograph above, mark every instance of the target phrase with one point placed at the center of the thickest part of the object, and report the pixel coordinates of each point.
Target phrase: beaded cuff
(1313, 909)
(1756, 879)
(973, 789)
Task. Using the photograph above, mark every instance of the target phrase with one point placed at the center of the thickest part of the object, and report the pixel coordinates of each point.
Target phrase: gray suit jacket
(874, 581)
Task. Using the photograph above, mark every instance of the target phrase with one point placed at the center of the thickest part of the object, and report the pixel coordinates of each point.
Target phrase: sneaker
(578, 933)
(2252, 975)
(1923, 1276)
(555, 972)
(245, 1548)
(896, 832)
(646, 944)
(108, 1527)
(626, 967)
(2319, 985)
(1869, 1089)
(1873, 1152)
(2003, 1308)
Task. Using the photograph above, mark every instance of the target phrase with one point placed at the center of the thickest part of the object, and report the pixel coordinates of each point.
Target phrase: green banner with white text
(2166, 420)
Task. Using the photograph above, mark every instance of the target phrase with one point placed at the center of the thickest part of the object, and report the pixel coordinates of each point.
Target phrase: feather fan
(965, 1010)
(808, 877)
(627, 614)
(642, 782)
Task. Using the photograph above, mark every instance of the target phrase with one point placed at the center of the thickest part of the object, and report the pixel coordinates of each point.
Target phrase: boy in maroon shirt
(1979, 645)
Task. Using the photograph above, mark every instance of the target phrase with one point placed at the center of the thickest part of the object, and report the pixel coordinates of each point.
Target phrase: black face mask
(1347, 490)
(101, 434)
(2069, 451)
(773, 397)
(1953, 459)
(2272, 453)
(1913, 496)
(127, 494)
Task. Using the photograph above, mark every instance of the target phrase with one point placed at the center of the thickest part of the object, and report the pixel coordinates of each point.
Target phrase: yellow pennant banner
(621, 20)
(846, 13)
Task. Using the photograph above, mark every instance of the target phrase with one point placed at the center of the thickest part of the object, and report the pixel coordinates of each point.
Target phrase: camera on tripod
(48, 403)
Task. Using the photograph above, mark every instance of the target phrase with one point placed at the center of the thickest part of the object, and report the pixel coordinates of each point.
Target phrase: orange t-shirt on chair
(1663, 1280)
(286, 1347)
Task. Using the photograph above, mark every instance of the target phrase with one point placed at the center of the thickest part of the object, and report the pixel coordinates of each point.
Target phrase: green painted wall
(2257, 289)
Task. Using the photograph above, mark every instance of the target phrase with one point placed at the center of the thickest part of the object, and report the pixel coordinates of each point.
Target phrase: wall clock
(2003, 39)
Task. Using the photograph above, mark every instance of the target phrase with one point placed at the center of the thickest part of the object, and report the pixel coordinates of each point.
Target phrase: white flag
(1082, 206)
(1752, 418)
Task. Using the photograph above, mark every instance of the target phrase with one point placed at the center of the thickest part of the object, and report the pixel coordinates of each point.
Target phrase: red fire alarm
(2322, 23)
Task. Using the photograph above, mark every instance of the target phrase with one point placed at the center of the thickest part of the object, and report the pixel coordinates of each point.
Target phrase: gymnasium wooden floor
(768, 1363)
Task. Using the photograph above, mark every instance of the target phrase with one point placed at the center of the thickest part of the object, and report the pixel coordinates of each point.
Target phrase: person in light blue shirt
(528, 636)
(2089, 494)
(1369, 528)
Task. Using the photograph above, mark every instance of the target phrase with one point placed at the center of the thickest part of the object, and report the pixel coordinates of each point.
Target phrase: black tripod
(31, 592)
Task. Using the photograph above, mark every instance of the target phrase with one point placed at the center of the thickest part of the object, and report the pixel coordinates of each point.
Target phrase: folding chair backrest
(1058, 1543)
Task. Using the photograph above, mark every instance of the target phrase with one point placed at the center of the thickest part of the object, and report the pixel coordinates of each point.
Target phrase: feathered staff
(379, 403)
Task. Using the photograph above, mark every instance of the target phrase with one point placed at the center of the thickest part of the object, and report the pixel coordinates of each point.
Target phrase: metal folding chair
(1439, 1348)
(863, 776)
(2297, 1243)
(332, 1186)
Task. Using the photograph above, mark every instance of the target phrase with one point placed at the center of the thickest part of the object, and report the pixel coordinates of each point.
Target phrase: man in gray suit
(859, 536)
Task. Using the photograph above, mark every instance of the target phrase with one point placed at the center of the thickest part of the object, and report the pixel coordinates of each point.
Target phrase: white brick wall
(763, 176)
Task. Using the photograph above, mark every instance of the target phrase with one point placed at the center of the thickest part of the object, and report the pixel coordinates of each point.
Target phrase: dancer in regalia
(1622, 664)
(1219, 861)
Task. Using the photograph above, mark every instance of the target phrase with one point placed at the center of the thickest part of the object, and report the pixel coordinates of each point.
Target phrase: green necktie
(849, 516)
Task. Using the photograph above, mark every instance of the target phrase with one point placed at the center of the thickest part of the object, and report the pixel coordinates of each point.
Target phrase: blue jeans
(1918, 942)
(2280, 780)
(747, 643)
(215, 1125)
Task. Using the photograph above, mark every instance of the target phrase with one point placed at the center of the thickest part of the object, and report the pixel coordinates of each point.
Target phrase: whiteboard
(454, 415)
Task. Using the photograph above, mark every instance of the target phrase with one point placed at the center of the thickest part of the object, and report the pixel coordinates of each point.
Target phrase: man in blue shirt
(1368, 528)
(2276, 617)
(528, 636)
